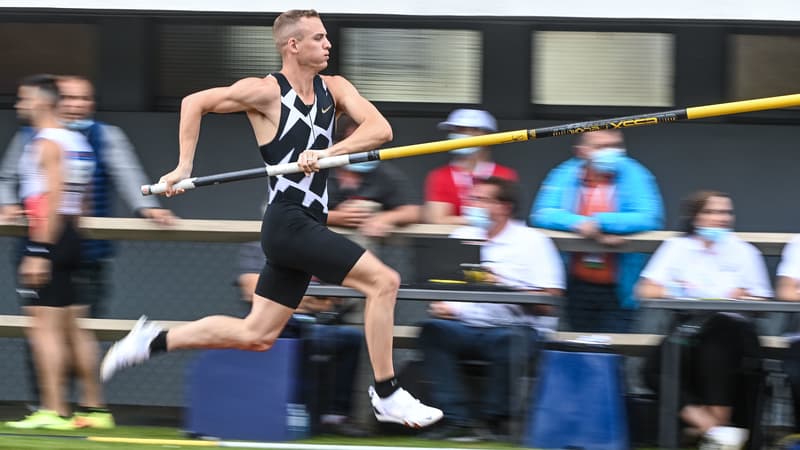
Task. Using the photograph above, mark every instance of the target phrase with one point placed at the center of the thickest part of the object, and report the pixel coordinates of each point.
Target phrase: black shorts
(298, 246)
(66, 258)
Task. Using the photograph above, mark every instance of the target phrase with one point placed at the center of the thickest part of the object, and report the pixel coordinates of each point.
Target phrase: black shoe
(346, 428)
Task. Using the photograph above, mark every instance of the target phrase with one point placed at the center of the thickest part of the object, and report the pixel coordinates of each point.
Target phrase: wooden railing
(769, 244)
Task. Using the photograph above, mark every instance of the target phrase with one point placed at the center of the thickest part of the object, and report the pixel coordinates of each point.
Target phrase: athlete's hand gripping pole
(691, 113)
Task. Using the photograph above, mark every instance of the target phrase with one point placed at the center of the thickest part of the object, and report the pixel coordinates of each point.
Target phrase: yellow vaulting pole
(696, 112)
(453, 144)
(505, 137)
(744, 106)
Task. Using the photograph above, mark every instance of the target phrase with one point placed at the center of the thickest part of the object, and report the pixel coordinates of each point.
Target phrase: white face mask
(462, 151)
(79, 125)
(477, 217)
(712, 234)
(607, 160)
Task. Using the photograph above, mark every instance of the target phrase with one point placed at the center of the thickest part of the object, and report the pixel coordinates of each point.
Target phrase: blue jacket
(637, 200)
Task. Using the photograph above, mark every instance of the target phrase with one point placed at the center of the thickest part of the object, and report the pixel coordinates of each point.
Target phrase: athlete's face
(313, 48)
(25, 95)
(34, 105)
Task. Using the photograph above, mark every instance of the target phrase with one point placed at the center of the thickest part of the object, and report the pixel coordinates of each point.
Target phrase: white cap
(469, 118)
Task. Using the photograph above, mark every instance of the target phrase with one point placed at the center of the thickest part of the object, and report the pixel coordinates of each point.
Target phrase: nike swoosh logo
(324, 110)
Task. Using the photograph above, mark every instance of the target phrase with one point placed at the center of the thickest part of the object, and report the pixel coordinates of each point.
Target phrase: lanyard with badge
(591, 196)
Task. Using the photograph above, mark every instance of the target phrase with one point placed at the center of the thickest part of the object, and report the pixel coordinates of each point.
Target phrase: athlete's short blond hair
(285, 26)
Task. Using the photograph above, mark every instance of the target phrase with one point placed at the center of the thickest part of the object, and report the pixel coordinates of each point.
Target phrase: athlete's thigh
(293, 238)
(330, 256)
(281, 284)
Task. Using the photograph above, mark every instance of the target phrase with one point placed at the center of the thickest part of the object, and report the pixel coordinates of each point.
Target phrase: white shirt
(520, 257)
(790, 260)
(688, 269)
(78, 163)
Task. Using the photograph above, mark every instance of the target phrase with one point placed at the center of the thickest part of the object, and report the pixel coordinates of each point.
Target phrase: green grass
(38, 440)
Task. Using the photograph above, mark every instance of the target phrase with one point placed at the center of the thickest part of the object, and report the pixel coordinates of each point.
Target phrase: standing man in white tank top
(55, 170)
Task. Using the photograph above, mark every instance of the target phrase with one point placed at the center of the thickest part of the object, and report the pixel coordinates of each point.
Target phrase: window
(196, 57)
(763, 66)
(401, 65)
(56, 48)
(602, 68)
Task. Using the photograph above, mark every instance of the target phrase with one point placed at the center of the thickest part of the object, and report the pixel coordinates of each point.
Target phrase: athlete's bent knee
(257, 342)
(388, 281)
(392, 279)
(260, 345)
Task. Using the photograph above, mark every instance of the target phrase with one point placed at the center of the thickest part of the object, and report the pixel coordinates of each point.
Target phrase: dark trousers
(330, 364)
(720, 365)
(445, 343)
(792, 367)
(596, 308)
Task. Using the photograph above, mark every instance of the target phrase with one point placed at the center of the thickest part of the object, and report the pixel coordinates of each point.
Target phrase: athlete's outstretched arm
(248, 94)
(373, 129)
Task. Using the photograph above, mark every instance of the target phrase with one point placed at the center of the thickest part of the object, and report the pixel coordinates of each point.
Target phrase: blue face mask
(362, 167)
(80, 124)
(477, 217)
(606, 160)
(712, 234)
(462, 151)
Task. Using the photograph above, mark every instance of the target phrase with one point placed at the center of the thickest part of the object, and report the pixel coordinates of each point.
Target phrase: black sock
(386, 388)
(159, 344)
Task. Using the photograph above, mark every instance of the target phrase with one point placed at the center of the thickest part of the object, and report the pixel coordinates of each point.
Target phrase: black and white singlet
(301, 127)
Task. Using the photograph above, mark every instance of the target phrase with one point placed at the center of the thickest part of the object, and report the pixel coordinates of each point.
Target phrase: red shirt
(449, 184)
(600, 268)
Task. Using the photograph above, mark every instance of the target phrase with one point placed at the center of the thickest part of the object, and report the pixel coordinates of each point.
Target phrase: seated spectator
(710, 262)
(514, 256)
(601, 194)
(788, 288)
(788, 283)
(447, 187)
(370, 196)
(315, 320)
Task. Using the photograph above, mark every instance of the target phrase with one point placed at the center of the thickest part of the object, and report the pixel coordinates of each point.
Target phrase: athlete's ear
(292, 44)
